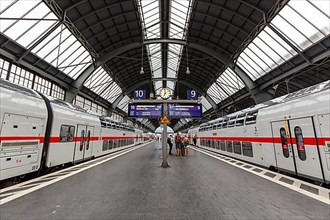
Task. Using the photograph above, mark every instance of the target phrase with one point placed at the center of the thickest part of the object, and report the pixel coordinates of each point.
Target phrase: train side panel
(295, 129)
(73, 136)
(22, 130)
(291, 133)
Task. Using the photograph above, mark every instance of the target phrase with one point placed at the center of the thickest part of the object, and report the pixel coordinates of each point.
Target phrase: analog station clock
(165, 93)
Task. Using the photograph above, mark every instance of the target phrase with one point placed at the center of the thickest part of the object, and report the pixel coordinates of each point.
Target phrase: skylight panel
(64, 51)
(98, 81)
(216, 93)
(205, 104)
(178, 17)
(227, 84)
(303, 22)
(26, 21)
(123, 104)
(102, 84)
(150, 13)
(112, 92)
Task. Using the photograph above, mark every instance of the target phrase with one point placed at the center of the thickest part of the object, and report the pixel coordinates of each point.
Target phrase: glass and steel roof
(278, 45)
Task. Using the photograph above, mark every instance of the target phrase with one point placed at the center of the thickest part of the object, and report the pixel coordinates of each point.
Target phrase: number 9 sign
(191, 94)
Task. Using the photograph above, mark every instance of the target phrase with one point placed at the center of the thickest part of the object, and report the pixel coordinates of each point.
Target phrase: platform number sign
(191, 94)
(140, 94)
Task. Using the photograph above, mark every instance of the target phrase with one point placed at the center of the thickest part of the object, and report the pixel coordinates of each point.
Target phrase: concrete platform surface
(134, 186)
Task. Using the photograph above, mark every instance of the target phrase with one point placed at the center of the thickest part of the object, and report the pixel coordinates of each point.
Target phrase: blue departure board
(145, 110)
(184, 110)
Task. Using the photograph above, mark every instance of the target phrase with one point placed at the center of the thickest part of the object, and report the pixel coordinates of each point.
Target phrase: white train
(39, 132)
(290, 133)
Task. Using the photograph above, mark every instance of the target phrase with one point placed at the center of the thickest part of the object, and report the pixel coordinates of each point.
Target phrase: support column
(164, 139)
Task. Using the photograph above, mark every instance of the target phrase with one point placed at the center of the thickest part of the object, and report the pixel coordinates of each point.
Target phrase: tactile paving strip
(295, 184)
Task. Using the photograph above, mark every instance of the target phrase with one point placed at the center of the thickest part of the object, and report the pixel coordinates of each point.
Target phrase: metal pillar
(164, 139)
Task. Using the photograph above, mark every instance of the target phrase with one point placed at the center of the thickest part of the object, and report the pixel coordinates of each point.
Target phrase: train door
(80, 143)
(83, 148)
(283, 147)
(88, 150)
(324, 124)
(305, 148)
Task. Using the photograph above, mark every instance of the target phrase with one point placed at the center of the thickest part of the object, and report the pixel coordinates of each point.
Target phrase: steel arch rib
(78, 83)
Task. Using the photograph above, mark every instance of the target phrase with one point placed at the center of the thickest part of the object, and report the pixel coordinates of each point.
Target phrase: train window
(110, 144)
(237, 147)
(223, 145)
(247, 149)
(284, 141)
(240, 120)
(231, 122)
(105, 145)
(229, 146)
(103, 123)
(82, 140)
(219, 124)
(66, 133)
(218, 145)
(88, 139)
(215, 143)
(251, 118)
(214, 127)
(224, 123)
(300, 143)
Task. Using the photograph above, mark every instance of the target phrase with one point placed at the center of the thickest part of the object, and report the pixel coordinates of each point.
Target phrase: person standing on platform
(178, 145)
(170, 144)
(195, 140)
(185, 145)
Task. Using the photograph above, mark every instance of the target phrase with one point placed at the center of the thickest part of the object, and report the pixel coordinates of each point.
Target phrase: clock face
(165, 93)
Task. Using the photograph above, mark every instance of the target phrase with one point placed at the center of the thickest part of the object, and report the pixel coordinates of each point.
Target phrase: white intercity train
(290, 133)
(39, 133)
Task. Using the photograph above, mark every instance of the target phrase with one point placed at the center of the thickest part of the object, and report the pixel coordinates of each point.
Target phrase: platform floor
(133, 186)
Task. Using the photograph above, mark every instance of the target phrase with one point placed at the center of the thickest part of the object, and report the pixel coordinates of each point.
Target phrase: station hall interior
(165, 109)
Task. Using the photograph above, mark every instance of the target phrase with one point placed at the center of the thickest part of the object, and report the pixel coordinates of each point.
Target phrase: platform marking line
(323, 193)
(42, 185)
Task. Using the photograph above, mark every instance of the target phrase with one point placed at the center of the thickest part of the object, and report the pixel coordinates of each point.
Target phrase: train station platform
(134, 186)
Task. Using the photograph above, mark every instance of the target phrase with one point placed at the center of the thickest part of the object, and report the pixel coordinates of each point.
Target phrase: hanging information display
(184, 110)
(145, 110)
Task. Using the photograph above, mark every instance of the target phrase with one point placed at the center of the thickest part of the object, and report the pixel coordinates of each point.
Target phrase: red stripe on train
(307, 140)
(57, 139)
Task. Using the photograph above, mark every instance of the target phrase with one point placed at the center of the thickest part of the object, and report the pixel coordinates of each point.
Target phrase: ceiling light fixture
(141, 71)
(187, 71)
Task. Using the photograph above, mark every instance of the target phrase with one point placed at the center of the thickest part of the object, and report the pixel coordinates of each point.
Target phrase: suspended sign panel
(191, 94)
(145, 110)
(184, 110)
(140, 94)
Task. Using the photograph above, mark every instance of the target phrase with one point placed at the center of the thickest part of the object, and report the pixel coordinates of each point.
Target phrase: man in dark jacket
(170, 144)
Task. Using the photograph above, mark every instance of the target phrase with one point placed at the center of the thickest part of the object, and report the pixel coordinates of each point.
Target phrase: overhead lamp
(141, 71)
(187, 71)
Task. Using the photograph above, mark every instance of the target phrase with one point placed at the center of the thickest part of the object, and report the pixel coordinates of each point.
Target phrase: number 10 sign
(139, 94)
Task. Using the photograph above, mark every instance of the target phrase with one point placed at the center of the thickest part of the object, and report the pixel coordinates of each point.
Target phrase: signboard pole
(164, 138)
